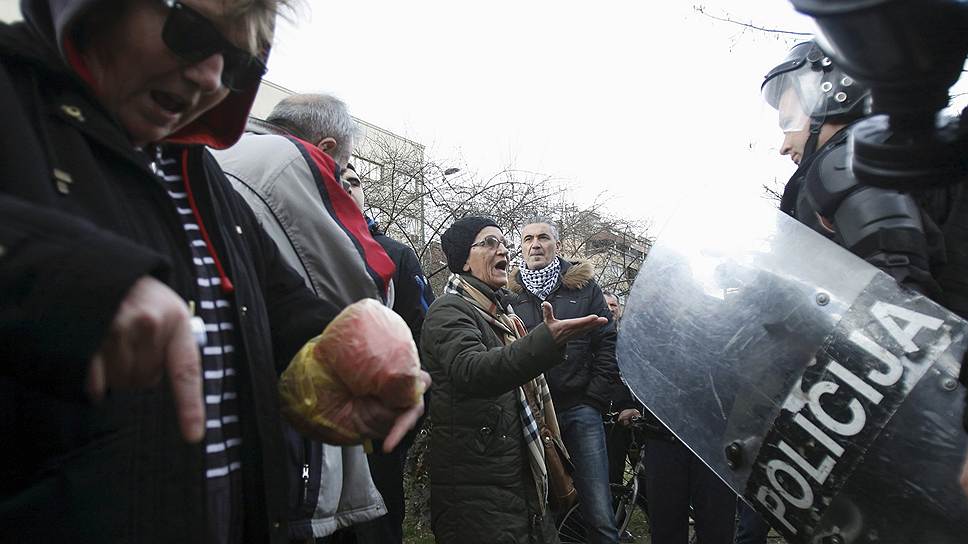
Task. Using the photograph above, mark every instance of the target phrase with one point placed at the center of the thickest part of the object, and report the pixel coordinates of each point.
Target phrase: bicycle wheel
(631, 514)
(571, 528)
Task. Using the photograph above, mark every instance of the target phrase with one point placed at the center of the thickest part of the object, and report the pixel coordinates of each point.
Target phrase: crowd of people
(163, 257)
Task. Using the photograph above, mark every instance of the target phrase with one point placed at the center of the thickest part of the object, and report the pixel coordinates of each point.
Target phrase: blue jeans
(584, 436)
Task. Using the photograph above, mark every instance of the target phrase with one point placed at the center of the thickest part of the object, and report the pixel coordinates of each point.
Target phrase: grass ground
(416, 528)
(414, 533)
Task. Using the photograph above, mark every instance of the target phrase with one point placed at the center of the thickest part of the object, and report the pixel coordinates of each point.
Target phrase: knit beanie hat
(456, 240)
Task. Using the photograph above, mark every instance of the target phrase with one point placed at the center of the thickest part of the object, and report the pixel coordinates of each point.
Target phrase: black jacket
(944, 216)
(412, 294)
(412, 297)
(589, 374)
(481, 484)
(83, 219)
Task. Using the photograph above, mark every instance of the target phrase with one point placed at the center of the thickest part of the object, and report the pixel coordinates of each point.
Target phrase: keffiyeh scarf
(534, 397)
(540, 282)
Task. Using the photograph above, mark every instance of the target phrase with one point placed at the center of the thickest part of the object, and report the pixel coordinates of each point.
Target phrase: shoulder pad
(830, 180)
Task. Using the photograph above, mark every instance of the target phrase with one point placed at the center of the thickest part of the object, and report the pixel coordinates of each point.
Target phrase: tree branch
(702, 10)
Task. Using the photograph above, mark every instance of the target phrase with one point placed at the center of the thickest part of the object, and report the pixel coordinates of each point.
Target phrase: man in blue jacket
(412, 296)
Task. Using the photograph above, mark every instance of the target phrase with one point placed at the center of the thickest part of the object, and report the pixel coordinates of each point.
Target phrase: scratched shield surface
(805, 378)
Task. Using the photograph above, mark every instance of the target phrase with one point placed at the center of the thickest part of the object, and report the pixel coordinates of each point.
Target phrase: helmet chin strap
(788, 201)
(810, 147)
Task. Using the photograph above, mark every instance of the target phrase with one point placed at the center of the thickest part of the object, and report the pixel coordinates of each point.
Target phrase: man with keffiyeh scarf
(489, 398)
(588, 379)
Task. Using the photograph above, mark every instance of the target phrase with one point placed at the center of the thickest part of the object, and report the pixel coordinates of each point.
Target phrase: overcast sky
(645, 100)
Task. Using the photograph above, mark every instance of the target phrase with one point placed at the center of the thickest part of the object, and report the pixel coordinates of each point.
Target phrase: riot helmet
(823, 91)
(808, 89)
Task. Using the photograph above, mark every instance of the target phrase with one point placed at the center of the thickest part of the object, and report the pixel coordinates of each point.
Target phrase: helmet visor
(797, 96)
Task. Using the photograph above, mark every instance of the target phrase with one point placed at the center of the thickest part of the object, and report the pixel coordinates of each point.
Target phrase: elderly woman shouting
(487, 484)
(118, 226)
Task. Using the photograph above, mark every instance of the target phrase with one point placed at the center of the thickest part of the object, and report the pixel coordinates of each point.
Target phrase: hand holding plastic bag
(360, 379)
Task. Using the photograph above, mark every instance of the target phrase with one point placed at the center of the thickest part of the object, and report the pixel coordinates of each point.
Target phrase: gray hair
(314, 117)
(547, 221)
(260, 19)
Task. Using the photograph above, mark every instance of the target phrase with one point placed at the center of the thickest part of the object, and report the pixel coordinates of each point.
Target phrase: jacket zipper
(305, 483)
(307, 459)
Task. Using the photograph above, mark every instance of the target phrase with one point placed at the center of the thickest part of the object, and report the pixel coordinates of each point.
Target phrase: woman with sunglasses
(488, 482)
(117, 227)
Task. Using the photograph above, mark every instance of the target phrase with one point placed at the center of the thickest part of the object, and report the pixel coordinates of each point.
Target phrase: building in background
(617, 255)
(615, 247)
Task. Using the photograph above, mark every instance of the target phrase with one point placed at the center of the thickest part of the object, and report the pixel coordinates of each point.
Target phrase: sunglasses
(491, 242)
(191, 36)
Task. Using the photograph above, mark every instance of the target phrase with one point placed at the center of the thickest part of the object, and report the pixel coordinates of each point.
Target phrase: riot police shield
(808, 380)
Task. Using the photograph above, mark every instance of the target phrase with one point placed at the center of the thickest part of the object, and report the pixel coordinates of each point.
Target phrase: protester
(412, 296)
(118, 226)
(618, 440)
(585, 384)
(487, 472)
(285, 168)
(611, 299)
(618, 437)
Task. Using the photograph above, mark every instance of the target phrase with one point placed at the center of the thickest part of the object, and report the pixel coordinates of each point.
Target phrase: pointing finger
(185, 375)
(403, 424)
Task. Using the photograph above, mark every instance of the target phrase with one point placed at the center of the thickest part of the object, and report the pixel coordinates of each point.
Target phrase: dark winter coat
(589, 374)
(83, 218)
(412, 294)
(481, 485)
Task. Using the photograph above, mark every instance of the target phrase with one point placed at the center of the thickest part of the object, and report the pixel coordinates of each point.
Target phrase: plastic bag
(367, 350)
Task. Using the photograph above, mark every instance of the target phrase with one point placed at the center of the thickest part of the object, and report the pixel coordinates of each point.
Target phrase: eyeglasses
(491, 242)
(193, 37)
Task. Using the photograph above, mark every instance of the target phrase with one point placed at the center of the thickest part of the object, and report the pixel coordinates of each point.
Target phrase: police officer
(916, 233)
(817, 103)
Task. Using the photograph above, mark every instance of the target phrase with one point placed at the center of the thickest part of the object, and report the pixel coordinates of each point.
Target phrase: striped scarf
(534, 397)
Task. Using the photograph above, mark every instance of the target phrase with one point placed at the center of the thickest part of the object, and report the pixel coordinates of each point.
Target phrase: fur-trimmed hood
(588, 373)
(574, 275)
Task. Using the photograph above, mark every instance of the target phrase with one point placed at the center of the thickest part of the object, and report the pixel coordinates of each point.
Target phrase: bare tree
(414, 202)
(773, 191)
(395, 172)
(615, 246)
